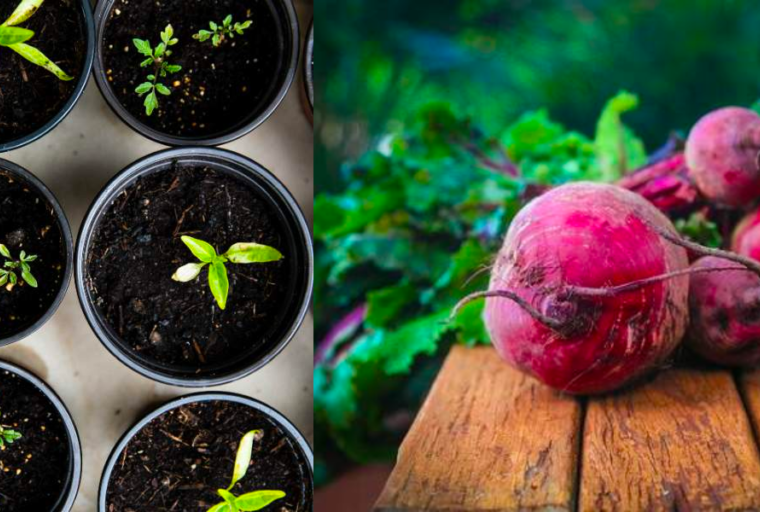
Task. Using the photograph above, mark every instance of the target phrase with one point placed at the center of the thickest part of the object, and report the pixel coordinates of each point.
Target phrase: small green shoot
(8, 277)
(8, 436)
(156, 57)
(251, 501)
(15, 38)
(241, 253)
(219, 33)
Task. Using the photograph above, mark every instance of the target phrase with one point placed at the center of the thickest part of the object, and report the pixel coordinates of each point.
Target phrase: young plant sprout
(252, 501)
(15, 38)
(8, 436)
(218, 33)
(156, 57)
(242, 253)
(8, 277)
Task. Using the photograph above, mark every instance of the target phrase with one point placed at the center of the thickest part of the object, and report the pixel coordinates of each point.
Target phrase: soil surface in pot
(28, 223)
(218, 88)
(180, 459)
(30, 96)
(137, 247)
(34, 470)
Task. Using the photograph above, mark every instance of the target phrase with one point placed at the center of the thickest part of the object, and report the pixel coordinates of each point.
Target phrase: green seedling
(158, 58)
(8, 436)
(251, 501)
(8, 276)
(242, 253)
(15, 38)
(219, 33)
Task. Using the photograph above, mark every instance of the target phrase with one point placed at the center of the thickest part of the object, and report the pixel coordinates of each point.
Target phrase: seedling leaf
(5, 252)
(220, 507)
(23, 12)
(143, 88)
(143, 47)
(14, 35)
(229, 498)
(162, 89)
(200, 249)
(252, 253)
(188, 272)
(35, 56)
(219, 283)
(243, 457)
(257, 500)
(27, 276)
(151, 103)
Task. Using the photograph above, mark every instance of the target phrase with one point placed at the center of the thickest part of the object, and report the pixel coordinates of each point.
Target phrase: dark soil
(34, 469)
(28, 222)
(137, 247)
(179, 460)
(219, 88)
(30, 96)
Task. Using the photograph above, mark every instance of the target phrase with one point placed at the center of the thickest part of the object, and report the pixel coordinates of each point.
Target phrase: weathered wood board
(491, 439)
(487, 438)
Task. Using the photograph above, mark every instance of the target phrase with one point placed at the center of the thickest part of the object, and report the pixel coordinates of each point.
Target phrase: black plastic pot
(34, 183)
(308, 74)
(78, 91)
(74, 471)
(283, 422)
(289, 23)
(298, 238)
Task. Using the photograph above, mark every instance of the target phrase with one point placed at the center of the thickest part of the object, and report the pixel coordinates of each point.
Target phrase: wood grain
(487, 438)
(680, 442)
(749, 386)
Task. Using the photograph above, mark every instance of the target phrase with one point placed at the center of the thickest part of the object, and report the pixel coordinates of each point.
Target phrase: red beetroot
(725, 313)
(566, 311)
(746, 236)
(666, 184)
(722, 155)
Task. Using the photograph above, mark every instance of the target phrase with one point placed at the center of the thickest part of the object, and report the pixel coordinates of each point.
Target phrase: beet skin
(722, 156)
(725, 313)
(590, 236)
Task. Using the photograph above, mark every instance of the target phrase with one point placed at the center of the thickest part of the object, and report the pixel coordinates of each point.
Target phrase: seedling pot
(72, 473)
(308, 75)
(51, 289)
(117, 67)
(144, 349)
(188, 409)
(78, 84)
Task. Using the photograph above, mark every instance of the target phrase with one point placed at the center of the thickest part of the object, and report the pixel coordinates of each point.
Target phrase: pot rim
(68, 241)
(293, 213)
(308, 68)
(102, 11)
(84, 78)
(75, 445)
(124, 440)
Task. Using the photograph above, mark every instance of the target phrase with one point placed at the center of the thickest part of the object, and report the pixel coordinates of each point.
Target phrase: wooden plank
(749, 386)
(680, 442)
(487, 438)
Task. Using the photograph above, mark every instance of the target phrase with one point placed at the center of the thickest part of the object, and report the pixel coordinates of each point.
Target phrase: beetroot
(667, 184)
(725, 313)
(586, 294)
(722, 155)
(746, 236)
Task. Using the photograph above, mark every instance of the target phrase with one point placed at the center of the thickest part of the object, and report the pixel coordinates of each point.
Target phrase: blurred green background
(378, 60)
(412, 199)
